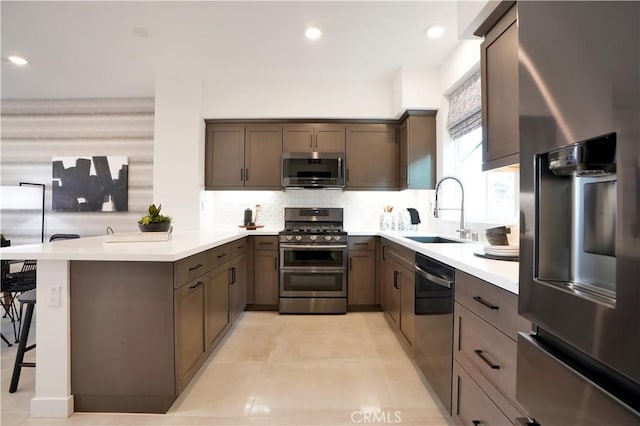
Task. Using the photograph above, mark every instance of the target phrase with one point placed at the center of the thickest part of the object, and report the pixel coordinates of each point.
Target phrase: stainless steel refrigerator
(579, 118)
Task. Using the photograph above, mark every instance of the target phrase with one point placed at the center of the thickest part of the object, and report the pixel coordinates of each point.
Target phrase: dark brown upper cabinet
(418, 150)
(499, 71)
(313, 138)
(372, 157)
(240, 156)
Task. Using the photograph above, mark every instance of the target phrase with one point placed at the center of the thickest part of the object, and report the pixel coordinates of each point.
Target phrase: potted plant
(154, 221)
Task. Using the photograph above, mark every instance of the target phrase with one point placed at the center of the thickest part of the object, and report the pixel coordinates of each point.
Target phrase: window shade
(465, 107)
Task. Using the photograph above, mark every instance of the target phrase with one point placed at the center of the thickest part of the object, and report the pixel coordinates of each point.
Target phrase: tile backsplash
(362, 209)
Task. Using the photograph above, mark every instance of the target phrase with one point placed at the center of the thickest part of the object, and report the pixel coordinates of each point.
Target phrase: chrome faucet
(463, 231)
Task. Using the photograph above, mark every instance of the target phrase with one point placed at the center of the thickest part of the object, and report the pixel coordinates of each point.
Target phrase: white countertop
(503, 274)
(181, 245)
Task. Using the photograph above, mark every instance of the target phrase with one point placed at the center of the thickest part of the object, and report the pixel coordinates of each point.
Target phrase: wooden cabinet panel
(499, 68)
(490, 352)
(471, 405)
(237, 287)
(417, 140)
(187, 269)
(495, 305)
(262, 157)
(361, 278)
(362, 243)
(190, 338)
(407, 286)
(329, 138)
(372, 157)
(313, 137)
(266, 277)
(216, 294)
(390, 290)
(265, 242)
(224, 152)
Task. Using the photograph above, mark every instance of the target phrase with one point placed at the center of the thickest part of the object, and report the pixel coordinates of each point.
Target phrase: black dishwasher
(433, 341)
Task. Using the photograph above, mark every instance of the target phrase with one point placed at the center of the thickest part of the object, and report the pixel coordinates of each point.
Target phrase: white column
(53, 343)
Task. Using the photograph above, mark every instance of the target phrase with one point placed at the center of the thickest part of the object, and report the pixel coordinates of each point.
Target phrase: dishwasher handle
(434, 279)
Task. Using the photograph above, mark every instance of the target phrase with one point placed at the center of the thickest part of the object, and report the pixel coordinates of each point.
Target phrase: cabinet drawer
(471, 405)
(239, 247)
(493, 304)
(265, 242)
(187, 269)
(219, 255)
(362, 243)
(491, 352)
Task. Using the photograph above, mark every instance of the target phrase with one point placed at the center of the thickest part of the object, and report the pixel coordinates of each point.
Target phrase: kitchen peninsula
(139, 319)
(123, 315)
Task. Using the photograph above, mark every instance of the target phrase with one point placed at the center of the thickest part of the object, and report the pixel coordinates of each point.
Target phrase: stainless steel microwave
(313, 170)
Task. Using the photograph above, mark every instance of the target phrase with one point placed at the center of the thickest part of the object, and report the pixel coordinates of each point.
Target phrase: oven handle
(311, 246)
(436, 280)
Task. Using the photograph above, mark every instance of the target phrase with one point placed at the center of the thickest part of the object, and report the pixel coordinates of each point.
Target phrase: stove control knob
(336, 238)
(327, 237)
(298, 237)
(289, 237)
(313, 237)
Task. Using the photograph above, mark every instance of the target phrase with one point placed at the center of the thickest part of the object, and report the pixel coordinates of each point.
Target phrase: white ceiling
(89, 49)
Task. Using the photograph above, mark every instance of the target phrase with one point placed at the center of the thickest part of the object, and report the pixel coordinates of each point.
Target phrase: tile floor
(276, 369)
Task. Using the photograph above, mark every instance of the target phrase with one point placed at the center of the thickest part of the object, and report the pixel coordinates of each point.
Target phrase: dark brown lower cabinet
(398, 282)
(191, 349)
(216, 306)
(361, 277)
(471, 406)
(486, 324)
(141, 330)
(266, 277)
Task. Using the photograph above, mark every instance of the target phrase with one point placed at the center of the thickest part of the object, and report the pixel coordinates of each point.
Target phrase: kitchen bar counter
(181, 245)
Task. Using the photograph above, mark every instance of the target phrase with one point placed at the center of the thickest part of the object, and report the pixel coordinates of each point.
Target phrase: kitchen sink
(432, 240)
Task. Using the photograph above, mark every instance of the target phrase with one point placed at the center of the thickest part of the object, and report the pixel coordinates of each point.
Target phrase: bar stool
(28, 298)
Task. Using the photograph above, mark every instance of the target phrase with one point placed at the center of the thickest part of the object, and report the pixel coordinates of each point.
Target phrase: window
(490, 197)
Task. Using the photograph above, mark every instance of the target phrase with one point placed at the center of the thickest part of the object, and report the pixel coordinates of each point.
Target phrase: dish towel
(415, 217)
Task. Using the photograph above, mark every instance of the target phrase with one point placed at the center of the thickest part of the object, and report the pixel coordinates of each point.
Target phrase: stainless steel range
(313, 262)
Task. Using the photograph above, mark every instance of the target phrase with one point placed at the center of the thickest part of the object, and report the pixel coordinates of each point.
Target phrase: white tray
(138, 237)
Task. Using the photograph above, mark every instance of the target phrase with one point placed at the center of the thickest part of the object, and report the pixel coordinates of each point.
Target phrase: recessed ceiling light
(18, 60)
(435, 31)
(313, 33)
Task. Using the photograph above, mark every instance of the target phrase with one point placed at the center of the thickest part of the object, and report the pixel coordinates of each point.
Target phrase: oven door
(313, 282)
(306, 257)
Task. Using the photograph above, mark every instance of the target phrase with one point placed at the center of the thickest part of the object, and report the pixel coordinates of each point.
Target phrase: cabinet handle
(476, 422)
(239, 247)
(383, 253)
(246, 175)
(360, 244)
(230, 276)
(526, 421)
(235, 280)
(220, 256)
(351, 263)
(485, 303)
(275, 262)
(198, 266)
(264, 243)
(311, 141)
(196, 285)
(242, 175)
(347, 175)
(483, 357)
(395, 280)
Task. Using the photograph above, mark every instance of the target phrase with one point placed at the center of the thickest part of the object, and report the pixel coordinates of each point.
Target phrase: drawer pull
(220, 256)
(196, 285)
(360, 244)
(485, 303)
(198, 266)
(483, 357)
(264, 243)
(239, 247)
(525, 421)
(476, 422)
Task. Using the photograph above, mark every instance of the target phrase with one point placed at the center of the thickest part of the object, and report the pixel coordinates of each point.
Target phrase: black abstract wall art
(90, 184)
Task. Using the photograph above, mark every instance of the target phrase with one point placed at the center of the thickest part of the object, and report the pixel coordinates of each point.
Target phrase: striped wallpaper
(34, 131)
